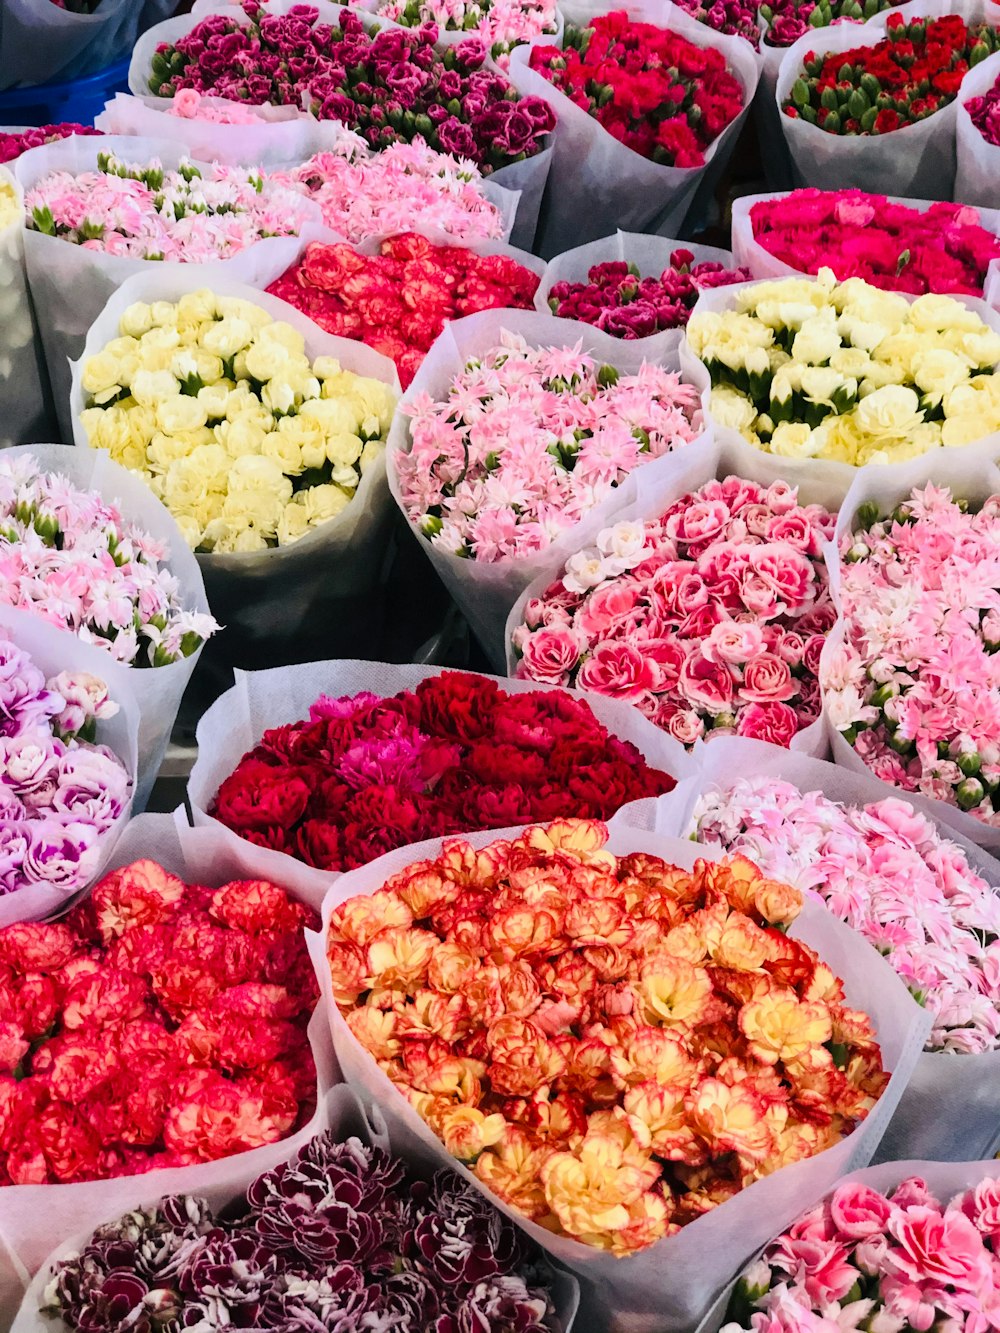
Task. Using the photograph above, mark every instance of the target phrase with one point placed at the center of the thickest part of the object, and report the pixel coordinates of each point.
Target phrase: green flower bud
(969, 793)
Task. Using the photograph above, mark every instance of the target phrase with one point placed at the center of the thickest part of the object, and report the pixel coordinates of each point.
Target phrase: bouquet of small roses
(615, 1041)
(710, 617)
(15, 142)
(926, 899)
(977, 133)
(644, 104)
(342, 1232)
(514, 441)
(263, 436)
(814, 371)
(888, 1247)
(911, 247)
(116, 574)
(398, 299)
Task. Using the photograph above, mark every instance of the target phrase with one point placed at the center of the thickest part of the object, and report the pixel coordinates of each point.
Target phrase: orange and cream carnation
(613, 1044)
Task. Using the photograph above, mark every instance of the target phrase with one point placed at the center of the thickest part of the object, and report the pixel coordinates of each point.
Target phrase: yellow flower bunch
(218, 408)
(813, 368)
(10, 208)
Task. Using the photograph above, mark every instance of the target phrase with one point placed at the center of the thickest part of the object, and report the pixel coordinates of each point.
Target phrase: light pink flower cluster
(71, 558)
(915, 686)
(862, 1259)
(500, 24)
(405, 187)
(529, 440)
(710, 619)
(190, 105)
(147, 212)
(887, 872)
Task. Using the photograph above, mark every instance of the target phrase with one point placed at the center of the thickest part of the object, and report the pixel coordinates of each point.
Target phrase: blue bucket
(76, 100)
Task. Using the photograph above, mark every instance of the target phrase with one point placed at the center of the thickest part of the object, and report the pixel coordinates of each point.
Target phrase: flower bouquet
(733, 18)
(889, 123)
(902, 1245)
(67, 766)
(926, 899)
(15, 142)
(709, 617)
(910, 690)
(27, 414)
(114, 572)
(977, 134)
(248, 234)
(399, 298)
(615, 166)
(613, 1092)
(638, 288)
(389, 83)
(342, 1232)
(263, 435)
(591, 412)
(913, 246)
(827, 377)
(334, 764)
(165, 1021)
(499, 24)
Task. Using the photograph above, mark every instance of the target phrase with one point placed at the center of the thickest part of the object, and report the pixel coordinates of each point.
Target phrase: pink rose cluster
(859, 235)
(915, 686)
(405, 187)
(58, 792)
(529, 440)
(886, 871)
(864, 1259)
(16, 142)
(710, 618)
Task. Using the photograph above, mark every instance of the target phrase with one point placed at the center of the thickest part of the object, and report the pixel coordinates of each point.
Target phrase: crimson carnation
(159, 1024)
(455, 754)
(14, 143)
(399, 300)
(653, 90)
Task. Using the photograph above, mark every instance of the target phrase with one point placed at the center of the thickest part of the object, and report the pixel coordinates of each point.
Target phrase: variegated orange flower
(512, 1169)
(730, 1119)
(781, 1027)
(401, 956)
(466, 1132)
(359, 920)
(672, 991)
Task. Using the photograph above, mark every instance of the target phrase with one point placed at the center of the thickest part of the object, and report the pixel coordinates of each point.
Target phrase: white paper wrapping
(915, 161)
(944, 1179)
(54, 650)
(972, 474)
(828, 481)
(596, 183)
(27, 413)
(977, 163)
(36, 1218)
(486, 592)
(951, 1107)
(260, 700)
(56, 267)
(667, 1288)
(41, 43)
(296, 598)
(650, 255)
(157, 690)
(650, 502)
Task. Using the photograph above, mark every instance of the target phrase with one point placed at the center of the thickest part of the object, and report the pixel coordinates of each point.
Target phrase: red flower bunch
(399, 300)
(858, 235)
(15, 142)
(914, 71)
(653, 90)
(365, 774)
(614, 1044)
(158, 1024)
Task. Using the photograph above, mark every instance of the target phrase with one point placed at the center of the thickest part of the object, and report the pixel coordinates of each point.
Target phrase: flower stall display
(977, 134)
(15, 142)
(398, 299)
(263, 436)
(519, 434)
(887, 1246)
(635, 287)
(875, 107)
(28, 414)
(827, 377)
(734, 18)
(785, 21)
(910, 246)
(335, 763)
(923, 896)
(67, 766)
(710, 618)
(157, 1040)
(618, 1039)
(99, 211)
(499, 24)
(86, 548)
(343, 1233)
(912, 691)
(642, 108)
